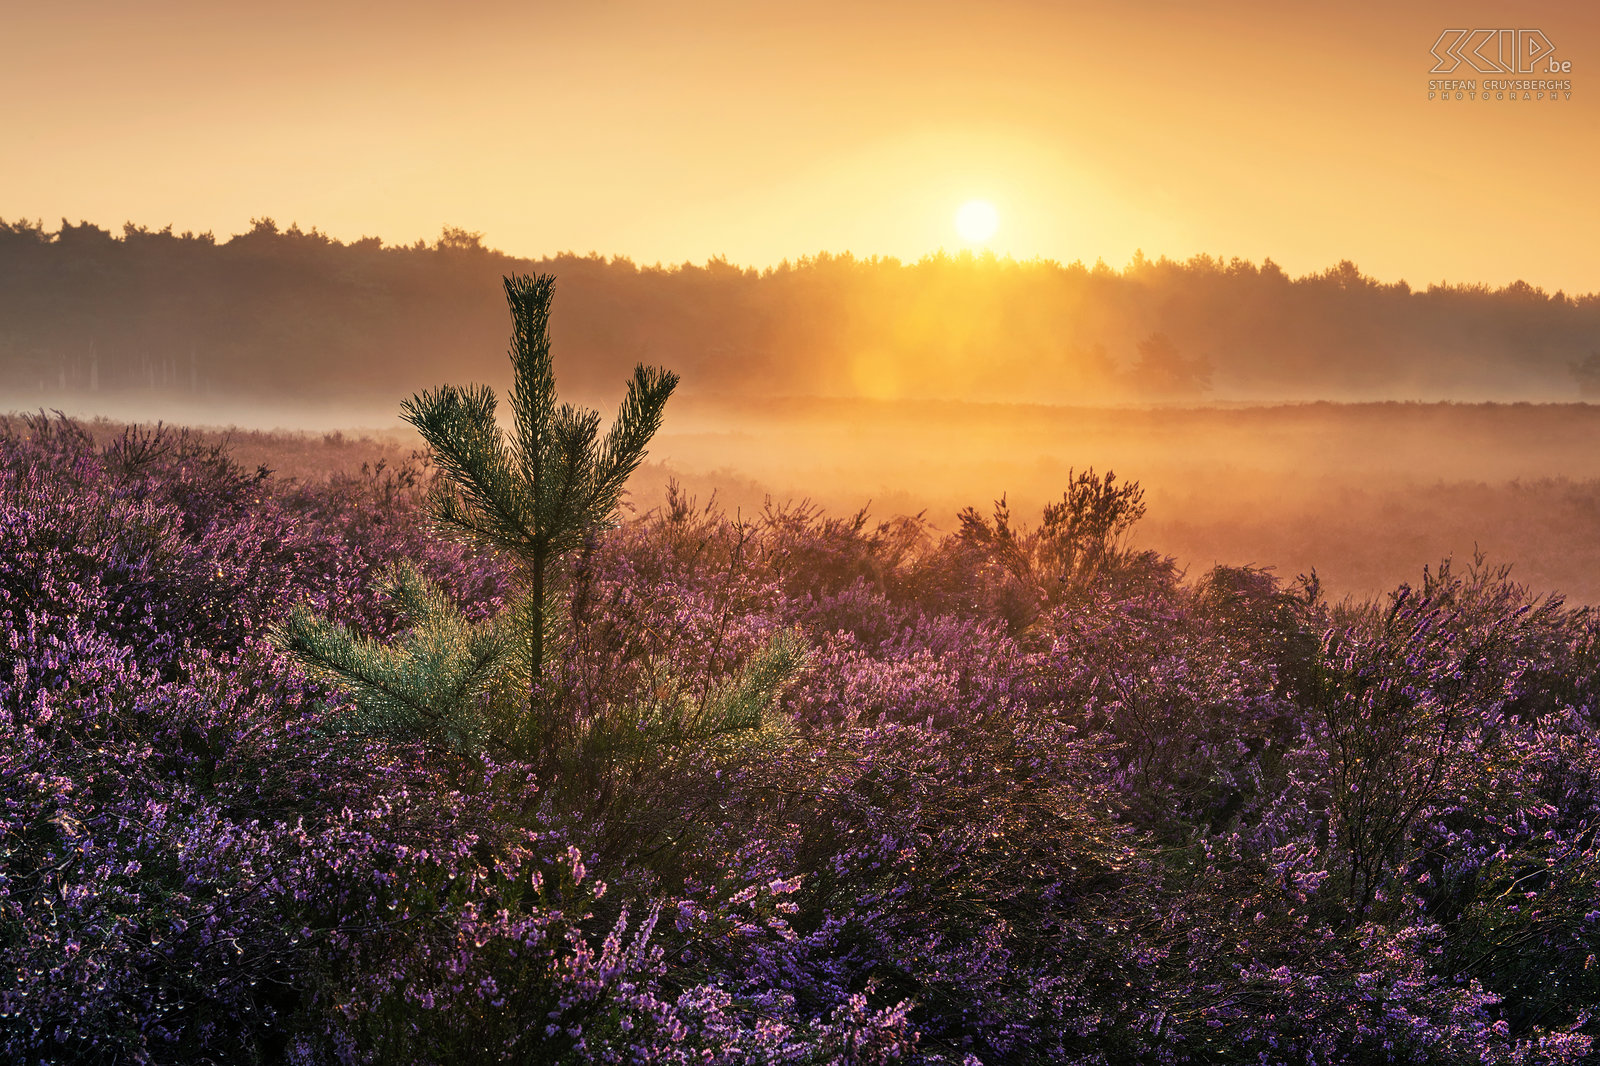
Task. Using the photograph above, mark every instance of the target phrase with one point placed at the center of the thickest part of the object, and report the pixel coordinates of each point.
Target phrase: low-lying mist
(1366, 494)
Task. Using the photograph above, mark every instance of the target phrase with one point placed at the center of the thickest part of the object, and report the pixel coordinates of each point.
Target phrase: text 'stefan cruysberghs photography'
(967, 534)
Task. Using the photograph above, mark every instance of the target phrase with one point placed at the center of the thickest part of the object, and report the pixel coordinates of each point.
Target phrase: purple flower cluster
(1007, 810)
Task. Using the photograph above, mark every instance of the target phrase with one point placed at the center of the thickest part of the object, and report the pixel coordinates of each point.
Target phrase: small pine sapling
(535, 494)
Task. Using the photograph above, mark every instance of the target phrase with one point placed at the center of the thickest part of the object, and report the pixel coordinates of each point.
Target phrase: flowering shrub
(986, 798)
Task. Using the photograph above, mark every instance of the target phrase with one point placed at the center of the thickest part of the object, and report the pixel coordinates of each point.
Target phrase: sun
(976, 221)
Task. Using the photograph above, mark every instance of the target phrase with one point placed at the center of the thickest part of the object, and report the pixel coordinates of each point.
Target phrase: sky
(759, 131)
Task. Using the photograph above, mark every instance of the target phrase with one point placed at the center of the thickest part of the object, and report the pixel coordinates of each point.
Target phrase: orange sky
(759, 131)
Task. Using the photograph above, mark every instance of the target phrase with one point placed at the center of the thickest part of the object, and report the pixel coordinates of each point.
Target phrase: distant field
(1367, 494)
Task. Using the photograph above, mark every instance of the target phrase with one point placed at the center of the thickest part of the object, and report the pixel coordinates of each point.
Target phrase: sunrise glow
(977, 221)
(672, 135)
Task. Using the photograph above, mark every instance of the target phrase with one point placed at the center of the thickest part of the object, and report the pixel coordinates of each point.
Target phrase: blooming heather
(1001, 812)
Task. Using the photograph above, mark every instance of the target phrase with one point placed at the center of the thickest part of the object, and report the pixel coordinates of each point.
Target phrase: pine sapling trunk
(535, 694)
(538, 549)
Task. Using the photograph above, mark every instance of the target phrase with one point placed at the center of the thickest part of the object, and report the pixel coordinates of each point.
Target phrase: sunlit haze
(977, 221)
(685, 131)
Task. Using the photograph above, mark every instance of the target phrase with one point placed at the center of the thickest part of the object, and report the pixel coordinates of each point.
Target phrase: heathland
(328, 748)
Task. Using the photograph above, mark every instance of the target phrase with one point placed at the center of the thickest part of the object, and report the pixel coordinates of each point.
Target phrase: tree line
(292, 312)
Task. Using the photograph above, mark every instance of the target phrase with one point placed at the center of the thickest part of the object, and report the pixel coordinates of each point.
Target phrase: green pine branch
(432, 683)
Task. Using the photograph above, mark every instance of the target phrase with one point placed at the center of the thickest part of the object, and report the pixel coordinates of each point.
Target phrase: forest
(260, 315)
(452, 758)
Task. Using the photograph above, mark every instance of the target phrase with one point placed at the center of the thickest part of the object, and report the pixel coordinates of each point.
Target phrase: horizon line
(454, 239)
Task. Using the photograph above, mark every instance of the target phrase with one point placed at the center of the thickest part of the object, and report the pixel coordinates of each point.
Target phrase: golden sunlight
(977, 221)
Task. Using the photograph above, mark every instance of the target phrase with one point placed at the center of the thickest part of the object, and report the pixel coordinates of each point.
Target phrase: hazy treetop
(292, 310)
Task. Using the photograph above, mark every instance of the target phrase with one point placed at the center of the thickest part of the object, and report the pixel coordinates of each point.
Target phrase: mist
(1365, 495)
